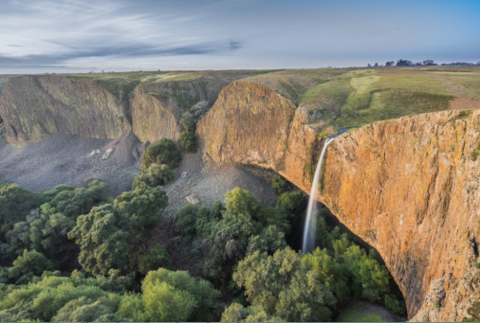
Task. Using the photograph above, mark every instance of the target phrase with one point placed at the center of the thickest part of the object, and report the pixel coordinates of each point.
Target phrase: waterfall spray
(310, 223)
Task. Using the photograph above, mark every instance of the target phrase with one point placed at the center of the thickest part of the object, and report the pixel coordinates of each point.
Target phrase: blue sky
(75, 35)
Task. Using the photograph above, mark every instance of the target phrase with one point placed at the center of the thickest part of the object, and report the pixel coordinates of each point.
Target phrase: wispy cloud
(192, 34)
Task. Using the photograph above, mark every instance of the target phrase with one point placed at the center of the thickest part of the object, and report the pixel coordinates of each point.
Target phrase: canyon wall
(34, 107)
(411, 189)
(252, 124)
(408, 187)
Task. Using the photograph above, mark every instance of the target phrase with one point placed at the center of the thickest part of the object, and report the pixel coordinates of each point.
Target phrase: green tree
(162, 152)
(15, 204)
(30, 264)
(284, 287)
(280, 185)
(187, 141)
(292, 202)
(203, 298)
(237, 313)
(153, 176)
(110, 232)
(153, 259)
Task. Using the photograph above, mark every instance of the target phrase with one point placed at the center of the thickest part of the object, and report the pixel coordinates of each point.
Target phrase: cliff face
(411, 189)
(34, 107)
(87, 105)
(408, 187)
(252, 124)
(151, 119)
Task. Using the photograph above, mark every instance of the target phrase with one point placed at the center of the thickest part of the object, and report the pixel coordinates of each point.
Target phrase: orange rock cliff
(409, 187)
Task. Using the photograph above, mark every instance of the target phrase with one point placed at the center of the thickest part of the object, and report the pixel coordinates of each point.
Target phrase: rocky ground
(72, 160)
(205, 183)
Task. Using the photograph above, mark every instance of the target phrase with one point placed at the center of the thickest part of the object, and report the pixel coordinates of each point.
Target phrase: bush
(162, 152)
(30, 264)
(187, 141)
(154, 176)
(393, 304)
(188, 124)
(292, 202)
(156, 257)
(280, 185)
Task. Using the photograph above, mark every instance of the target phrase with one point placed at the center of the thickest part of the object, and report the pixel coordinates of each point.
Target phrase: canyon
(409, 186)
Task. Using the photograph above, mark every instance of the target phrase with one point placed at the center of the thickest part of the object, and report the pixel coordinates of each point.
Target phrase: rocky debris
(136, 153)
(184, 174)
(95, 152)
(209, 183)
(66, 159)
(107, 154)
(192, 199)
(199, 109)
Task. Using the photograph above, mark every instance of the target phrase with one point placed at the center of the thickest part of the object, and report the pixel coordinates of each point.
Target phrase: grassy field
(334, 97)
(352, 315)
(355, 97)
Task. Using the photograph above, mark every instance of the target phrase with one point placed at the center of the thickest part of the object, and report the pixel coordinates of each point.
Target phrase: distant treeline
(428, 62)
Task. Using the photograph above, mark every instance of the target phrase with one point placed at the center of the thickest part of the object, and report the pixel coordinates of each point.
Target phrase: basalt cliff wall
(33, 107)
(409, 187)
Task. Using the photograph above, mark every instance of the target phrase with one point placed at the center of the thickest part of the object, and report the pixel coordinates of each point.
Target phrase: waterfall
(311, 221)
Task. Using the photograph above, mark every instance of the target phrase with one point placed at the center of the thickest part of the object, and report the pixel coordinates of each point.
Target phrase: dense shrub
(187, 141)
(280, 185)
(162, 152)
(45, 228)
(188, 124)
(170, 296)
(109, 232)
(156, 257)
(227, 234)
(154, 176)
(28, 265)
(283, 287)
(395, 305)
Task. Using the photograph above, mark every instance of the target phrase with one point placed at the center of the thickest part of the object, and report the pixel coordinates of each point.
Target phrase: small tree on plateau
(404, 62)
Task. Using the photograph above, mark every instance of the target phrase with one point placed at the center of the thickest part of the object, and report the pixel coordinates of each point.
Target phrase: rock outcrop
(408, 187)
(252, 124)
(411, 189)
(34, 107)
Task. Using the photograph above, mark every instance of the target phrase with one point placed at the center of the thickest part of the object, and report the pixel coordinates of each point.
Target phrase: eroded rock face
(410, 187)
(151, 119)
(252, 124)
(34, 107)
